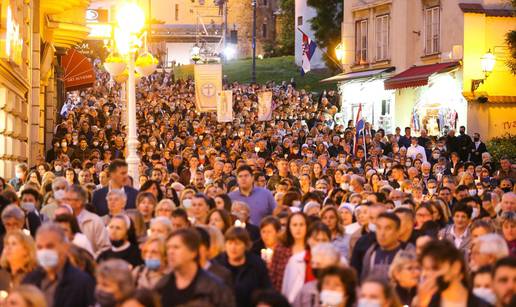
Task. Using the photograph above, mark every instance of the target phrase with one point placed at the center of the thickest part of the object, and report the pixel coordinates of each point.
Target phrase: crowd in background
(300, 210)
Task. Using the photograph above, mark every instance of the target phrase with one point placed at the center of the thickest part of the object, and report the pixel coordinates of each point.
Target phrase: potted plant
(114, 64)
(146, 64)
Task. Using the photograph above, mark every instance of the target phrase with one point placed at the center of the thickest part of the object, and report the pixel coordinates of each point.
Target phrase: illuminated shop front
(429, 97)
(366, 89)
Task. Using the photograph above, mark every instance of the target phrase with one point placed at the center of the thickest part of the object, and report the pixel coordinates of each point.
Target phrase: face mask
(331, 298)
(95, 144)
(18, 175)
(475, 213)
(47, 258)
(397, 203)
(365, 302)
(432, 191)
(152, 264)
(506, 189)
(106, 147)
(117, 243)
(472, 192)
(408, 164)
(435, 156)
(389, 165)
(486, 294)
(381, 170)
(28, 207)
(105, 299)
(476, 139)
(371, 227)
(59, 194)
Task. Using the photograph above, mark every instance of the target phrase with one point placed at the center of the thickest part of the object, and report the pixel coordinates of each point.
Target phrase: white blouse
(294, 276)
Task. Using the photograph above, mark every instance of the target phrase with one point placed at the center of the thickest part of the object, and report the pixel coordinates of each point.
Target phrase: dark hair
(271, 220)
(243, 168)
(79, 191)
(148, 184)
(190, 238)
(115, 165)
(403, 210)
(269, 297)
(391, 216)
(209, 202)
(70, 220)
(348, 278)
(204, 235)
(462, 207)
(317, 227)
(239, 234)
(442, 251)
(227, 201)
(180, 212)
(289, 239)
(32, 192)
(508, 261)
(146, 297)
(142, 195)
(224, 215)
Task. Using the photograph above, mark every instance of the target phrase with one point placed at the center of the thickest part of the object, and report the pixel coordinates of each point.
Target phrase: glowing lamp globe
(488, 61)
(130, 18)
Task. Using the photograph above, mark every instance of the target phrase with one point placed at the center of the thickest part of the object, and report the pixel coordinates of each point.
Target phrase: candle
(239, 224)
(266, 254)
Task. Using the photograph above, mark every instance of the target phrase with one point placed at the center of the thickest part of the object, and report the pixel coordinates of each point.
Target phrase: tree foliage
(284, 43)
(326, 26)
(510, 39)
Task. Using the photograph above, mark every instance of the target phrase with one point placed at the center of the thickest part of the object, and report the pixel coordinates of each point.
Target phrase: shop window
(361, 41)
(386, 107)
(432, 29)
(382, 37)
(299, 21)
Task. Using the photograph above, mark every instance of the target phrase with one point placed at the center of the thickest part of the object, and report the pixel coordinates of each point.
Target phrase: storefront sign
(12, 42)
(99, 30)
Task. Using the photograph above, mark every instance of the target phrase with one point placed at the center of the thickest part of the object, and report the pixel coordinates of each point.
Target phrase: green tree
(326, 26)
(510, 38)
(285, 41)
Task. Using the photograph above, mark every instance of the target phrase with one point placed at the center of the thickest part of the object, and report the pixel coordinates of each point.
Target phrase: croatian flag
(308, 51)
(359, 125)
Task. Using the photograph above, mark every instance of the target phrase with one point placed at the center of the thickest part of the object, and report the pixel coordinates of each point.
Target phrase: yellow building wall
(483, 33)
(405, 99)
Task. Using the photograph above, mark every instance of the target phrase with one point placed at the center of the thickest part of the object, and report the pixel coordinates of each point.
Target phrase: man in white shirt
(415, 149)
(91, 224)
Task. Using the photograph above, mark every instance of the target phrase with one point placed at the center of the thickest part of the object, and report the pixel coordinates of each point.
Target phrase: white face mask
(59, 194)
(344, 186)
(476, 213)
(331, 298)
(371, 227)
(472, 192)
(397, 203)
(486, 294)
(366, 302)
(432, 191)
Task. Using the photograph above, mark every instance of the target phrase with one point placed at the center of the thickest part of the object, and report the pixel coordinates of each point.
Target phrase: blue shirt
(261, 203)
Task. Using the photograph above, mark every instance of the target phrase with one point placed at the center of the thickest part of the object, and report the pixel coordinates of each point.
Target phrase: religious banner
(208, 82)
(225, 106)
(264, 106)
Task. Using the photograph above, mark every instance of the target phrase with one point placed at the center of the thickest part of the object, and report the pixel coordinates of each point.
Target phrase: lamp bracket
(475, 83)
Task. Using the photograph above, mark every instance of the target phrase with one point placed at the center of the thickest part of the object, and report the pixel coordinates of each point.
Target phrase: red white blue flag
(359, 126)
(308, 51)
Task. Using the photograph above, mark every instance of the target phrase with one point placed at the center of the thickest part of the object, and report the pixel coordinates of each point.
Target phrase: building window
(264, 30)
(177, 12)
(432, 29)
(299, 21)
(382, 37)
(361, 41)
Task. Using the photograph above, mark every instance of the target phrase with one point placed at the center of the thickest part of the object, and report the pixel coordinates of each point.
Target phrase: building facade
(34, 33)
(303, 14)
(412, 62)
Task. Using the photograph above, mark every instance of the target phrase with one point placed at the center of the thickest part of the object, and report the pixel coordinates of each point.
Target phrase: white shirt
(413, 151)
(80, 240)
(294, 276)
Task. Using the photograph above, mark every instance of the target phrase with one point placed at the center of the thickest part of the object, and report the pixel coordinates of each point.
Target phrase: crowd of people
(286, 212)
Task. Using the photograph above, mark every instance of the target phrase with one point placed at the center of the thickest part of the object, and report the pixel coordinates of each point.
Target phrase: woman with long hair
(18, 258)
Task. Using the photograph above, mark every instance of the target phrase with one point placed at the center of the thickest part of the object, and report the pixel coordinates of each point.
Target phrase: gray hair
(52, 227)
(242, 204)
(58, 181)
(162, 220)
(118, 271)
(326, 250)
(13, 211)
(492, 244)
(400, 260)
(118, 193)
(79, 191)
(165, 202)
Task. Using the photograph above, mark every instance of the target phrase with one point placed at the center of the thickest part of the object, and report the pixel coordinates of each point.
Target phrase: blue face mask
(47, 258)
(152, 264)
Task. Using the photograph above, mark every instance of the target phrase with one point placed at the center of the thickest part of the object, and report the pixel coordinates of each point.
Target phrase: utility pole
(253, 77)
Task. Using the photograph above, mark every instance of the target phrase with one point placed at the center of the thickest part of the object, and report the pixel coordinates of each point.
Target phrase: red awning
(417, 75)
(78, 70)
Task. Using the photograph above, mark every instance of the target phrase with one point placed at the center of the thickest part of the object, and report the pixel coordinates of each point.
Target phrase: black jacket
(473, 301)
(251, 276)
(209, 291)
(75, 288)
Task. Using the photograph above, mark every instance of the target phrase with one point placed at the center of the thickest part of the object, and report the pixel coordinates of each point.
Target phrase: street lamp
(487, 63)
(128, 39)
(253, 76)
